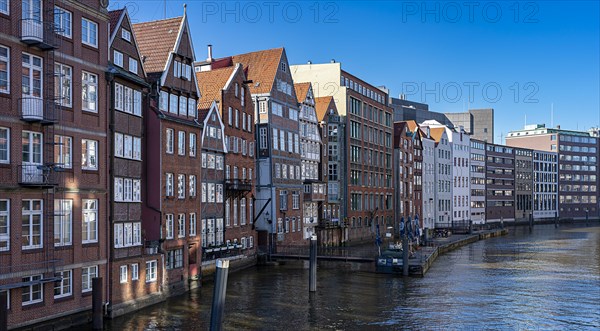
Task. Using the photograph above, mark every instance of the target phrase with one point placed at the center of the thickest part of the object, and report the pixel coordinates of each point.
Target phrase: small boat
(390, 260)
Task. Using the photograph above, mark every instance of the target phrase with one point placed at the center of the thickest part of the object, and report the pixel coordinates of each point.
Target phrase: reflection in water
(549, 279)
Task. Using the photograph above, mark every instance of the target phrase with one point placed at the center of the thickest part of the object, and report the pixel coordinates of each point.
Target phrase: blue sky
(519, 58)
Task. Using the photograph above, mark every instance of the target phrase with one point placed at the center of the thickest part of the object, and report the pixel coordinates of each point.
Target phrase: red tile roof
(301, 91)
(322, 106)
(155, 40)
(211, 83)
(261, 67)
(114, 16)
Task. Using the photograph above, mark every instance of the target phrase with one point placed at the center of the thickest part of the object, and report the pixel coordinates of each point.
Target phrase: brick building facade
(54, 165)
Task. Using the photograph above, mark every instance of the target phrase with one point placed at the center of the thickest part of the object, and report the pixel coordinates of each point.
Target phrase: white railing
(32, 174)
(32, 108)
(32, 29)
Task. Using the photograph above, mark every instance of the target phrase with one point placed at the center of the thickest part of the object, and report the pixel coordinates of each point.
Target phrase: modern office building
(523, 183)
(479, 123)
(367, 180)
(406, 110)
(545, 184)
(54, 222)
(500, 183)
(477, 174)
(578, 165)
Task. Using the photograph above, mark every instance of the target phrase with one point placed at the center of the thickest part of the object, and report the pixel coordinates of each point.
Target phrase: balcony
(243, 185)
(32, 110)
(39, 175)
(35, 32)
(315, 192)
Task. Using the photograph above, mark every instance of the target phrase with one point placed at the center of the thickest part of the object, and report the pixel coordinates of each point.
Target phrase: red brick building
(229, 89)
(404, 169)
(54, 164)
(171, 205)
(128, 288)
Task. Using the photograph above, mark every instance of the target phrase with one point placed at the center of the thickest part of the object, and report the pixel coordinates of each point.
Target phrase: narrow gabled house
(310, 152)
(171, 206)
(417, 136)
(128, 288)
(228, 87)
(279, 186)
(212, 181)
(332, 231)
(404, 172)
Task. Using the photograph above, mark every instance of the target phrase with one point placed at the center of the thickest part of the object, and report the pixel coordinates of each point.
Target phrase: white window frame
(125, 34)
(118, 58)
(87, 274)
(89, 155)
(63, 79)
(63, 151)
(181, 143)
(151, 271)
(89, 217)
(6, 61)
(119, 92)
(192, 185)
(89, 92)
(123, 276)
(192, 144)
(173, 103)
(169, 185)
(5, 11)
(137, 103)
(135, 271)
(63, 222)
(180, 186)
(63, 21)
(163, 102)
(86, 25)
(30, 289)
(5, 229)
(64, 285)
(169, 227)
(170, 141)
(30, 214)
(193, 225)
(181, 226)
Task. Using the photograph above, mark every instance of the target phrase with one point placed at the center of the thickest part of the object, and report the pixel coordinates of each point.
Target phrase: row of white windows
(128, 190)
(238, 145)
(234, 118)
(212, 232)
(128, 147)
(278, 109)
(283, 198)
(34, 292)
(118, 61)
(293, 141)
(181, 226)
(170, 141)
(32, 224)
(169, 187)
(128, 234)
(344, 81)
(281, 171)
(182, 70)
(245, 214)
(212, 161)
(32, 81)
(212, 192)
(128, 100)
(246, 173)
(284, 226)
(177, 104)
(32, 150)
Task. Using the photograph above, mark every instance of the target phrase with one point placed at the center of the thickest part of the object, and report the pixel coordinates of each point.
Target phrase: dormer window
(125, 34)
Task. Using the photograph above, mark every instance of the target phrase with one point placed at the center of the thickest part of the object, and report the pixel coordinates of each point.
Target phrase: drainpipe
(110, 78)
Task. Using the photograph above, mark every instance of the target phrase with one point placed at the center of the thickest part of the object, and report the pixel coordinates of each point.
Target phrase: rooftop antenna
(525, 119)
(164, 9)
(552, 115)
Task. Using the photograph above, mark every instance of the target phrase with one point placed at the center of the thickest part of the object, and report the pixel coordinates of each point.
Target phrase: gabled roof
(261, 67)
(437, 133)
(412, 125)
(156, 40)
(301, 91)
(322, 106)
(211, 83)
(115, 18)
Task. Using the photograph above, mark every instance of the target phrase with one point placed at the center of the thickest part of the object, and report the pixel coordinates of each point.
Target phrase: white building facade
(477, 174)
(545, 184)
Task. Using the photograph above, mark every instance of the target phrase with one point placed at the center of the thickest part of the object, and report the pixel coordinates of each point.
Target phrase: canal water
(548, 279)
